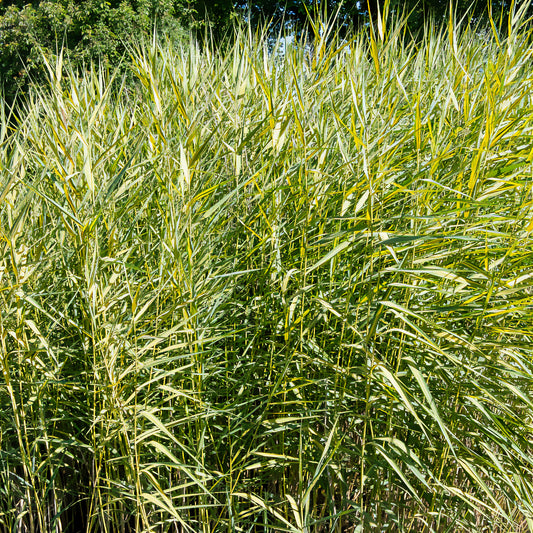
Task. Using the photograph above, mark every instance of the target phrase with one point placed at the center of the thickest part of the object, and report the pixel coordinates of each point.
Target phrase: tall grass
(273, 290)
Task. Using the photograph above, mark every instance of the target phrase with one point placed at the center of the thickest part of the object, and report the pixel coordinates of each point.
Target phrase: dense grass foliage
(271, 291)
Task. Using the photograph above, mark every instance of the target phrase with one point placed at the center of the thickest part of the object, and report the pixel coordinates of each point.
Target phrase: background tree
(358, 13)
(89, 30)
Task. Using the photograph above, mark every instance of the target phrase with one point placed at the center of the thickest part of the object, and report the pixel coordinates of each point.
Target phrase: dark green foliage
(89, 30)
(358, 13)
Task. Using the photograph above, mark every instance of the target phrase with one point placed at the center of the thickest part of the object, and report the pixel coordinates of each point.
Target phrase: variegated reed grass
(267, 290)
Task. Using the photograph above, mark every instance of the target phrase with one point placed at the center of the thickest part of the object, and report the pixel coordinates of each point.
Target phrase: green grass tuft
(265, 291)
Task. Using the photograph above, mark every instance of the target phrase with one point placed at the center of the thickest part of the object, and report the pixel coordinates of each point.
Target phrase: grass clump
(273, 291)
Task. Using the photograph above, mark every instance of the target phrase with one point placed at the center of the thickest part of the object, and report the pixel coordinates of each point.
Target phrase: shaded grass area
(273, 291)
